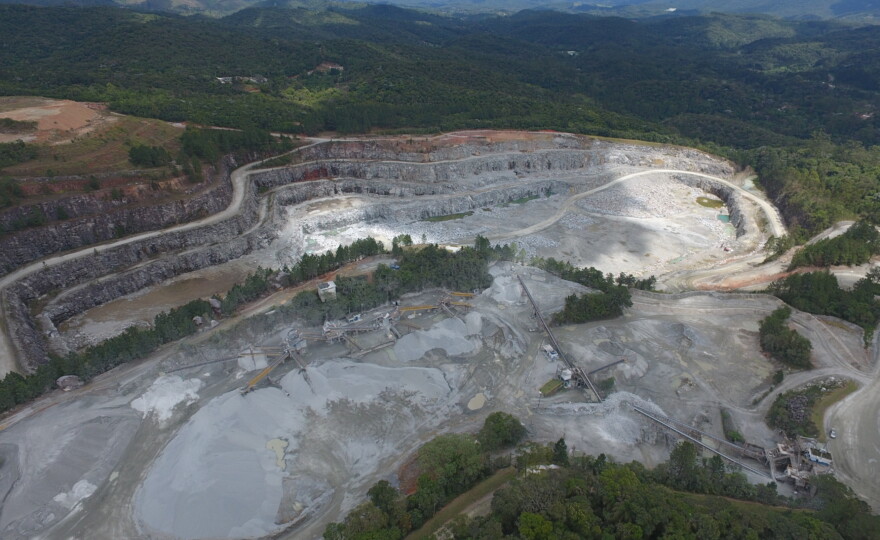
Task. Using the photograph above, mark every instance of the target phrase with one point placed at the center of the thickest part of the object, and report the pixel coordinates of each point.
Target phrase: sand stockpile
(448, 335)
(220, 476)
(166, 393)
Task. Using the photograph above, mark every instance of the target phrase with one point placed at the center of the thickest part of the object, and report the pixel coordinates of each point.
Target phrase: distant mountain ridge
(866, 11)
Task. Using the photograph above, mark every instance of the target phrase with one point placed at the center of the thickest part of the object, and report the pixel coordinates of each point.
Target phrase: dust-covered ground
(186, 455)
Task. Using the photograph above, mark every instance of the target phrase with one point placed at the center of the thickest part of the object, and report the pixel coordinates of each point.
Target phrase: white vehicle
(832, 433)
(551, 353)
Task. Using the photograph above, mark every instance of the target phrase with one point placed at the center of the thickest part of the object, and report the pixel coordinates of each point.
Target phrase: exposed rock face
(406, 185)
(95, 220)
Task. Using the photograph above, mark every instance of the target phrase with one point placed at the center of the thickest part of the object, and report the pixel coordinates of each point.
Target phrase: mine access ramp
(577, 374)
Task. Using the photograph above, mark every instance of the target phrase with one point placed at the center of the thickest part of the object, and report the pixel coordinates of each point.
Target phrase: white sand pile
(474, 322)
(505, 289)
(449, 335)
(81, 490)
(165, 394)
(220, 476)
(251, 360)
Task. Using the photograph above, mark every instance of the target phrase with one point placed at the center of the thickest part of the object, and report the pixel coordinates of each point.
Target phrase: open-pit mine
(203, 440)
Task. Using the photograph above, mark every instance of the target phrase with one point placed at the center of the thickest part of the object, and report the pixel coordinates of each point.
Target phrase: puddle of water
(477, 402)
(278, 446)
(724, 218)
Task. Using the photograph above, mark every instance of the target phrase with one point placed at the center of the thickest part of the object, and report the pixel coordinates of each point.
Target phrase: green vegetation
(710, 203)
(783, 343)
(14, 127)
(819, 293)
(730, 433)
(500, 430)
(462, 502)
(592, 497)
(593, 306)
(523, 200)
(817, 415)
(449, 465)
(448, 217)
(800, 412)
(16, 152)
(149, 156)
(856, 246)
(551, 387)
(10, 192)
(815, 144)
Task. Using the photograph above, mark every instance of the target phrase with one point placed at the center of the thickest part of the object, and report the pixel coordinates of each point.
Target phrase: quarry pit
(156, 449)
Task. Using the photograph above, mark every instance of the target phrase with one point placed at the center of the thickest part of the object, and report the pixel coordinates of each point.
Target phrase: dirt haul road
(775, 221)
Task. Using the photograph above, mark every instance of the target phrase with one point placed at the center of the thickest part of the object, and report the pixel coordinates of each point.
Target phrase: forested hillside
(796, 100)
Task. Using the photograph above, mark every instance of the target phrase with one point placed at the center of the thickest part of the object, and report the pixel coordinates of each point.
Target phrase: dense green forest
(856, 246)
(793, 99)
(593, 497)
(820, 293)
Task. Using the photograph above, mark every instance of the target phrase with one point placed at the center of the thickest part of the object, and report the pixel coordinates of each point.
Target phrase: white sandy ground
(81, 490)
(166, 393)
(217, 479)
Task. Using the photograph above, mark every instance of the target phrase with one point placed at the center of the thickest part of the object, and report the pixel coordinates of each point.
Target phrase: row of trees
(148, 156)
(593, 306)
(856, 246)
(783, 343)
(428, 267)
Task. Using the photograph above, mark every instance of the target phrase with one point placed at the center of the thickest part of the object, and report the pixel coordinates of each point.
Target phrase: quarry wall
(401, 190)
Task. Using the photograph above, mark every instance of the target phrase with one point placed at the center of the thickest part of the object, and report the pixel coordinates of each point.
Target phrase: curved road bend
(773, 218)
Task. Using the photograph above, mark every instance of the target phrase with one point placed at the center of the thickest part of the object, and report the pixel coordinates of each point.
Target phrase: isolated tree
(560, 453)
(500, 430)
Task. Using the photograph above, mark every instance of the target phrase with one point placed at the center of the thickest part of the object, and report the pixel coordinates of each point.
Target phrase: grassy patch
(709, 203)
(550, 387)
(279, 161)
(829, 399)
(523, 200)
(448, 217)
(103, 150)
(462, 502)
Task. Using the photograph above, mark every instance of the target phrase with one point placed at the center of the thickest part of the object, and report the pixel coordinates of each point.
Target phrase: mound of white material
(474, 322)
(505, 289)
(165, 394)
(218, 479)
(251, 360)
(449, 335)
(81, 490)
(613, 419)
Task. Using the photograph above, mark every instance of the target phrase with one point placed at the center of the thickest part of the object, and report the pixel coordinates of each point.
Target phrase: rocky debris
(69, 382)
